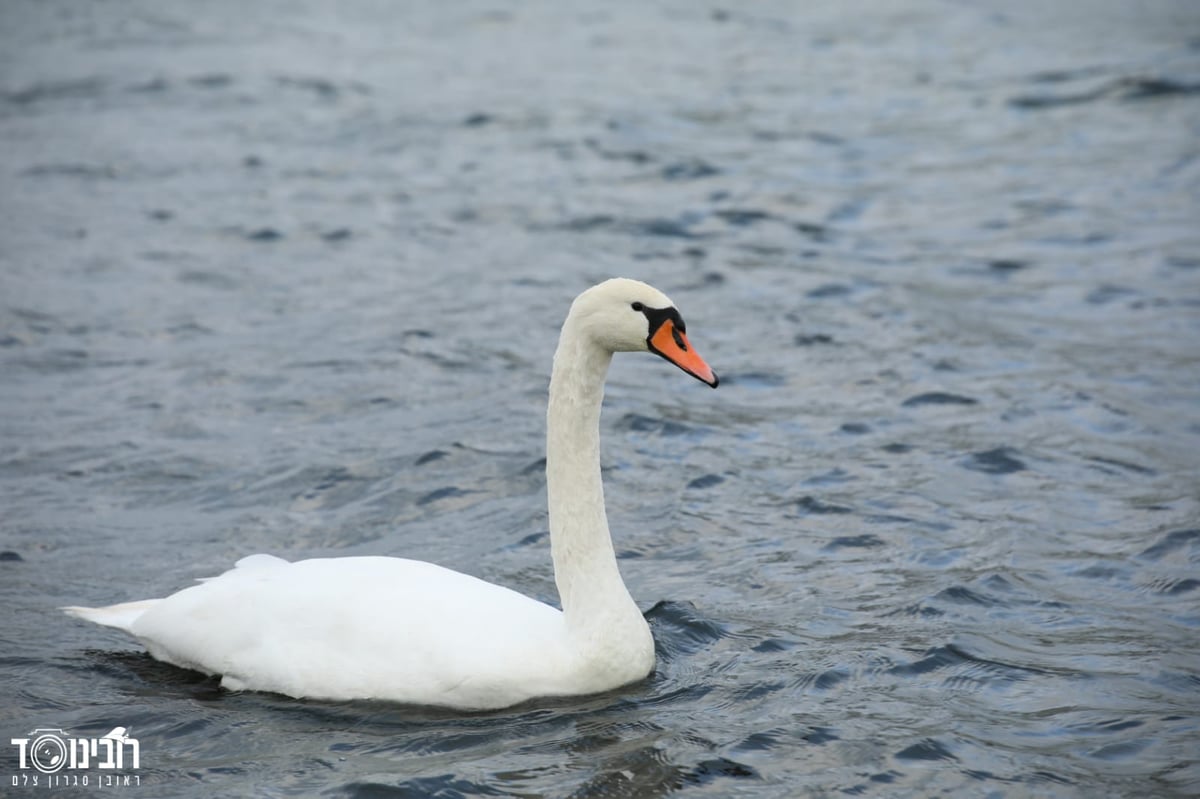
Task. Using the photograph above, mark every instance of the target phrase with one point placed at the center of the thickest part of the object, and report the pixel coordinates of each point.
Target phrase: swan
(408, 631)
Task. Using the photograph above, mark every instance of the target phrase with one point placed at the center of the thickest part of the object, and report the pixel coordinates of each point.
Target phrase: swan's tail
(120, 616)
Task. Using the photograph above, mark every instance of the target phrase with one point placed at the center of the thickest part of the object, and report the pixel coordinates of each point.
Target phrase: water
(286, 277)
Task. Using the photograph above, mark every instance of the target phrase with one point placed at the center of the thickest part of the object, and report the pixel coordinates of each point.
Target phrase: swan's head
(626, 315)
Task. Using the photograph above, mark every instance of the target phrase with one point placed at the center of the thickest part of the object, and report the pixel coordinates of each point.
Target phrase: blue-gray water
(286, 277)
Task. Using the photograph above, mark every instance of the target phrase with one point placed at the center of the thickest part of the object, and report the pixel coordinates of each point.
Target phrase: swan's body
(408, 631)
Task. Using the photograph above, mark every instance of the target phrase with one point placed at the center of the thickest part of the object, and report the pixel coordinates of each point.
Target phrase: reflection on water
(289, 281)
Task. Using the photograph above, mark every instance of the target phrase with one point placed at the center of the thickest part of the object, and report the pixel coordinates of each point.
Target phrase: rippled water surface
(287, 277)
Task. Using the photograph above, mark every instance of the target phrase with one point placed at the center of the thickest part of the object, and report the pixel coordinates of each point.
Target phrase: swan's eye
(637, 306)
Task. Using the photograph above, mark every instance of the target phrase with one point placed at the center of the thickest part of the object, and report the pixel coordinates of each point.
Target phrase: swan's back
(362, 627)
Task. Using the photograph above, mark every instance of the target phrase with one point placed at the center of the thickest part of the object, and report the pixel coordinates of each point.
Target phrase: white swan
(408, 631)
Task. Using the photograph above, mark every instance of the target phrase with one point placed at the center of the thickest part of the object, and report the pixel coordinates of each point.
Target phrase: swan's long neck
(594, 597)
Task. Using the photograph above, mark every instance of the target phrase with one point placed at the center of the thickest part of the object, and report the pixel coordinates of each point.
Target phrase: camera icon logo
(48, 750)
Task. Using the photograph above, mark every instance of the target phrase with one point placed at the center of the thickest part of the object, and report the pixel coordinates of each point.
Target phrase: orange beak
(670, 342)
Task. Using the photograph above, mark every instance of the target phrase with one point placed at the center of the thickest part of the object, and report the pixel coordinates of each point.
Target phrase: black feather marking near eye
(656, 317)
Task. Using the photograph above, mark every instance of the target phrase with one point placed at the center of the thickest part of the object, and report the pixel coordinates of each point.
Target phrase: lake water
(287, 278)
